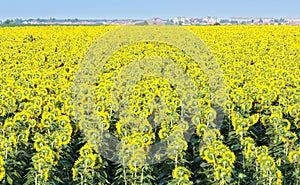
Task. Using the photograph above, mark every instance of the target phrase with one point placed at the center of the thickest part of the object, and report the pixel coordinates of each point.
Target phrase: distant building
(180, 20)
(252, 20)
(293, 21)
(211, 21)
(156, 21)
(240, 20)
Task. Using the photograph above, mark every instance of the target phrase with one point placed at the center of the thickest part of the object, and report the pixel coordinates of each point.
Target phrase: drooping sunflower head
(85, 150)
(294, 156)
(181, 172)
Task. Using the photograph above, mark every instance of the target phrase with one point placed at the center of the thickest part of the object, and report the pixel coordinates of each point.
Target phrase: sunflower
(253, 119)
(294, 156)
(294, 110)
(222, 174)
(265, 120)
(126, 151)
(83, 124)
(24, 134)
(121, 128)
(230, 156)
(125, 140)
(177, 131)
(135, 109)
(46, 174)
(177, 101)
(57, 141)
(136, 143)
(39, 143)
(289, 137)
(136, 162)
(236, 121)
(266, 162)
(8, 125)
(250, 152)
(2, 173)
(47, 119)
(246, 141)
(210, 136)
(297, 122)
(216, 143)
(36, 110)
(136, 92)
(178, 145)
(196, 119)
(224, 162)
(208, 154)
(99, 108)
(171, 107)
(275, 119)
(278, 177)
(45, 151)
(244, 124)
(147, 139)
(2, 110)
(104, 124)
(63, 120)
(229, 105)
(1, 161)
(65, 138)
(263, 149)
(90, 160)
(78, 161)
(221, 149)
(181, 172)
(145, 126)
(247, 105)
(201, 129)
(163, 133)
(85, 150)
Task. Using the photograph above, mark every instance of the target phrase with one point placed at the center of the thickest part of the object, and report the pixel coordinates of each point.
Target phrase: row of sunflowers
(42, 141)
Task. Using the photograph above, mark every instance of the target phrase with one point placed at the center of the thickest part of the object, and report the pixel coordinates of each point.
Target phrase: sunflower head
(85, 150)
(294, 156)
(181, 172)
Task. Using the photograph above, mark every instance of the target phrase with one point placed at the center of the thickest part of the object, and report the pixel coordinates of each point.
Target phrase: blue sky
(110, 9)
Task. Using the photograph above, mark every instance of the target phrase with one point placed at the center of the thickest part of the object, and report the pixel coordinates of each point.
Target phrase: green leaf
(203, 165)
(235, 147)
(17, 174)
(9, 180)
(57, 179)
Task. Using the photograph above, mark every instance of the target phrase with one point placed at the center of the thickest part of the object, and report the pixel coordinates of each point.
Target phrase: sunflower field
(250, 135)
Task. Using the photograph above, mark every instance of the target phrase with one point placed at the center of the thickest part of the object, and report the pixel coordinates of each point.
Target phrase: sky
(145, 9)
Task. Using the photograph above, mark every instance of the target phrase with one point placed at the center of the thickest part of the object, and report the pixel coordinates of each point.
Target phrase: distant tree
(217, 23)
(281, 20)
(18, 21)
(224, 21)
(142, 23)
(145, 23)
(233, 22)
(7, 22)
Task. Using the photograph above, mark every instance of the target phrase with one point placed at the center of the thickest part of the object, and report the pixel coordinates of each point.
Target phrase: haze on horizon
(139, 9)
